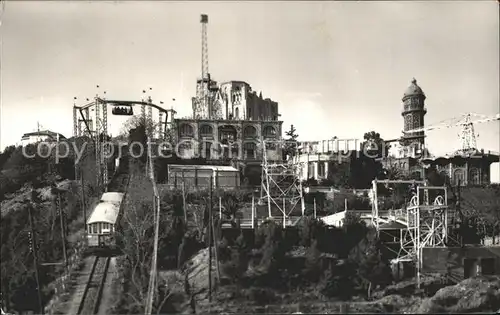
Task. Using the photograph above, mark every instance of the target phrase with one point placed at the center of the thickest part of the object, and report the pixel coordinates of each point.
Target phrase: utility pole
(459, 210)
(63, 234)
(35, 257)
(184, 204)
(210, 243)
(84, 206)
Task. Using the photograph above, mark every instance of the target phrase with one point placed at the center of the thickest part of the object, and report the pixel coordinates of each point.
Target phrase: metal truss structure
(425, 219)
(281, 187)
(97, 128)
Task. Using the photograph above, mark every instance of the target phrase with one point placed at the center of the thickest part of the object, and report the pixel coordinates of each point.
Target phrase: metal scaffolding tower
(281, 188)
(149, 119)
(97, 138)
(425, 222)
(201, 101)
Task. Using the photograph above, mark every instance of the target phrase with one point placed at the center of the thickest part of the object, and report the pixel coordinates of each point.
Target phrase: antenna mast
(200, 102)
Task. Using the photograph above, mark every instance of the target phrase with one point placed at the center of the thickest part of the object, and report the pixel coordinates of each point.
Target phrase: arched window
(206, 131)
(269, 132)
(250, 150)
(250, 132)
(186, 130)
(237, 113)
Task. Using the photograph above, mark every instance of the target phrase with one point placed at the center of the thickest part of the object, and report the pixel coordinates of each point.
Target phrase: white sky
(336, 68)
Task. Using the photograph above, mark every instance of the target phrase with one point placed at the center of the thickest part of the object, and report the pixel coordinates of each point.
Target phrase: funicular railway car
(102, 222)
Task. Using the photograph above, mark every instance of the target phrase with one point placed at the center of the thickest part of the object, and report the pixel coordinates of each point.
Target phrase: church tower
(413, 114)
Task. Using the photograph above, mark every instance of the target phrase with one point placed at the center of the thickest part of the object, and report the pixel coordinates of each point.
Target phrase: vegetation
(18, 282)
(331, 263)
(291, 143)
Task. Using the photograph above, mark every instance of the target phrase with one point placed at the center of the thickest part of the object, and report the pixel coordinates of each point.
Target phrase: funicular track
(92, 294)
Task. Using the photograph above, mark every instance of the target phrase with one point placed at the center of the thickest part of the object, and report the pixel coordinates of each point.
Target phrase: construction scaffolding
(424, 220)
(281, 188)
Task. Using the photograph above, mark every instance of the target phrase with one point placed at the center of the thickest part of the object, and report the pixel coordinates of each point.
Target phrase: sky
(336, 68)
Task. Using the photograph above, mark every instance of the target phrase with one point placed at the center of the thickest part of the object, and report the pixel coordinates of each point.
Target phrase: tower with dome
(415, 159)
(413, 116)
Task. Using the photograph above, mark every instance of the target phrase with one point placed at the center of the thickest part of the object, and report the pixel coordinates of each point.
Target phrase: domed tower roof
(413, 90)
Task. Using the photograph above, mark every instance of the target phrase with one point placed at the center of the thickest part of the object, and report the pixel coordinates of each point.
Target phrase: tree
(290, 143)
(339, 175)
(374, 145)
(135, 122)
(135, 238)
(138, 135)
(372, 265)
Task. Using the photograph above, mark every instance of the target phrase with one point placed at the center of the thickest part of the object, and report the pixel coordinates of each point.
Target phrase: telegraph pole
(184, 208)
(210, 243)
(35, 257)
(459, 209)
(61, 220)
(84, 206)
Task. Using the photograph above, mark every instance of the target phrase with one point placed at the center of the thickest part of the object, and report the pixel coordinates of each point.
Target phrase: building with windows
(39, 136)
(316, 158)
(236, 138)
(466, 169)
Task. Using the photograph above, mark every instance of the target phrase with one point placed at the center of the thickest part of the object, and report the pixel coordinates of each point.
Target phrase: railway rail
(92, 294)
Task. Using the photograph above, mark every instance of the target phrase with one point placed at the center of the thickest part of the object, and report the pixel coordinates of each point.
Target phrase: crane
(467, 135)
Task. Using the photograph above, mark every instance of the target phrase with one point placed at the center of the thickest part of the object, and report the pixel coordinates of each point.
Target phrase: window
(310, 170)
(250, 132)
(237, 113)
(416, 121)
(321, 169)
(269, 132)
(206, 131)
(458, 176)
(474, 177)
(250, 150)
(185, 150)
(186, 130)
(207, 149)
(408, 122)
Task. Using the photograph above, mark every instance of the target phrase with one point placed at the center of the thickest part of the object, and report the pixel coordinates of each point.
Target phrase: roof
(222, 168)
(44, 133)
(491, 155)
(106, 212)
(413, 89)
(392, 225)
(115, 197)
